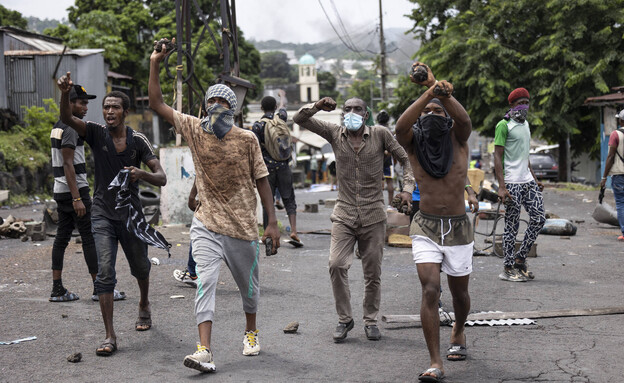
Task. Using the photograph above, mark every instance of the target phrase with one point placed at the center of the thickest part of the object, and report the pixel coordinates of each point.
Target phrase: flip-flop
(117, 296)
(439, 375)
(295, 241)
(144, 322)
(67, 297)
(456, 349)
(107, 348)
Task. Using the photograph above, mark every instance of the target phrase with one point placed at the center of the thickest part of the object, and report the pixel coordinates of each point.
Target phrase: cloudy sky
(298, 20)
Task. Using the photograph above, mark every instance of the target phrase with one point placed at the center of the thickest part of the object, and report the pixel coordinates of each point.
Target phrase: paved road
(584, 271)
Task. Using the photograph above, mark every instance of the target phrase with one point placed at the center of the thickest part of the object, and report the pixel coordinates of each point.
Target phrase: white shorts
(455, 261)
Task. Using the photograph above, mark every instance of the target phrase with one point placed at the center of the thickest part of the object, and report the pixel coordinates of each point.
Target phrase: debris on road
(75, 357)
(499, 315)
(19, 340)
(558, 226)
(291, 328)
(12, 227)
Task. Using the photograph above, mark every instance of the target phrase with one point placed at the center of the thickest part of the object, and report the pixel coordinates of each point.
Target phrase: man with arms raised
(229, 165)
(434, 132)
(360, 212)
(115, 147)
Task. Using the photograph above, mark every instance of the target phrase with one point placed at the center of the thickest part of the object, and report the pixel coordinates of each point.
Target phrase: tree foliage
(28, 144)
(274, 65)
(327, 85)
(126, 29)
(364, 89)
(561, 51)
(9, 18)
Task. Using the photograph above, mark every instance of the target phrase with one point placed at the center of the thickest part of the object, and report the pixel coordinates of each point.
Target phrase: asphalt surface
(580, 272)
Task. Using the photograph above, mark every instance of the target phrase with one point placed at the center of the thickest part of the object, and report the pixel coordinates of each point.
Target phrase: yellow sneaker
(251, 345)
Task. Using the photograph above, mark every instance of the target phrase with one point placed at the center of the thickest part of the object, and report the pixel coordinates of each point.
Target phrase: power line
(346, 44)
(344, 30)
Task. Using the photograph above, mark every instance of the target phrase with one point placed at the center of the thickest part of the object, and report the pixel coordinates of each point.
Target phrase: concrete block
(311, 208)
(330, 202)
(4, 195)
(36, 231)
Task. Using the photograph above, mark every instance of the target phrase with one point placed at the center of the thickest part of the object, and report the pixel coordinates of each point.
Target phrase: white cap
(620, 115)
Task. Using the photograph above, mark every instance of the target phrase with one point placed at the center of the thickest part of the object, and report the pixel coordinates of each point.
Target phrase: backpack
(620, 137)
(277, 140)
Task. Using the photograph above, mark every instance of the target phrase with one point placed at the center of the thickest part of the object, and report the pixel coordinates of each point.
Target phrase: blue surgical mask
(353, 121)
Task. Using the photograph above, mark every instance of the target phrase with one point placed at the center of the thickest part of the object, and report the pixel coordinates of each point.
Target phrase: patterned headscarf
(219, 120)
(223, 91)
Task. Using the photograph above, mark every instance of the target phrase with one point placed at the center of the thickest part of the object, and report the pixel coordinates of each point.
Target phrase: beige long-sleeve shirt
(360, 174)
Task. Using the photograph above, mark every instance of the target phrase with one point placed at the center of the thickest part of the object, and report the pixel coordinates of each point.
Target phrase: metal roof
(72, 52)
(38, 43)
(607, 99)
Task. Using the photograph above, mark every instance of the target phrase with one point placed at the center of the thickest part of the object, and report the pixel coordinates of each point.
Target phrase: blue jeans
(108, 234)
(617, 183)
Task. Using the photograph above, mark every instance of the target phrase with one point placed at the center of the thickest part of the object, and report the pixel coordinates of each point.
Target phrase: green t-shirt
(516, 138)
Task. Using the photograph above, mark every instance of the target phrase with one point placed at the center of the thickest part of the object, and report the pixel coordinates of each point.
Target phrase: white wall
(177, 163)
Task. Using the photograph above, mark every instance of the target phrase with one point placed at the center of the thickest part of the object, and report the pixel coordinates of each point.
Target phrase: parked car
(544, 166)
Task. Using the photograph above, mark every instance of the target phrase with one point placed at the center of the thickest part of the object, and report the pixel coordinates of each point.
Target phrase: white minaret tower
(308, 83)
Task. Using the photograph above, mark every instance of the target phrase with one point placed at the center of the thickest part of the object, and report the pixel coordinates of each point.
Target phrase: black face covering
(433, 145)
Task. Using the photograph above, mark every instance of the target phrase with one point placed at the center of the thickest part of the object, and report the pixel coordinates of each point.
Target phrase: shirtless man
(434, 132)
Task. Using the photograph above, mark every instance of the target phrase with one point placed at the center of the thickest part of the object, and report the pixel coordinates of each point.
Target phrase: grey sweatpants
(241, 257)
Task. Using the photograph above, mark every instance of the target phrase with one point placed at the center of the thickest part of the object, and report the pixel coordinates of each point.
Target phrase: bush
(29, 145)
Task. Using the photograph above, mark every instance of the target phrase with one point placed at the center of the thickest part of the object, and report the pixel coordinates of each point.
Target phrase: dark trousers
(108, 235)
(282, 180)
(67, 221)
(191, 262)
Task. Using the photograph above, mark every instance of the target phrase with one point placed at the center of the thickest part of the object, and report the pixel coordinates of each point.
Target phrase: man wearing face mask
(434, 131)
(229, 166)
(517, 186)
(359, 214)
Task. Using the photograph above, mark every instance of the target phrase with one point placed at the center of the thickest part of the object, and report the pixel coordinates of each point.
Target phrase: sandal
(295, 241)
(439, 375)
(67, 297)
(144, 322)
(117, 296)
(457, 351)
(107, 348)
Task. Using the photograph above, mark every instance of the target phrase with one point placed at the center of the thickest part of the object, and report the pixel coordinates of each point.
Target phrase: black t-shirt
(108, 163)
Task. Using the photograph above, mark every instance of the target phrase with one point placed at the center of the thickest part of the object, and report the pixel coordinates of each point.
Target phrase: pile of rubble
(12, 227)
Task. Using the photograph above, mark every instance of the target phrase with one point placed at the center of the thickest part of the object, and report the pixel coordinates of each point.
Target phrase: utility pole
(224, 37)
(179, 39)
(382, 58)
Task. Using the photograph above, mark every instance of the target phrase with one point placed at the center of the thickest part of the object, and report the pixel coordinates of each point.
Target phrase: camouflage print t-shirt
(226, 174)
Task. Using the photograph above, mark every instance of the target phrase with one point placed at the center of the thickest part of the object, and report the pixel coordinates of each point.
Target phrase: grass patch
(572, 186)
(281, 228)
(17, 200)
